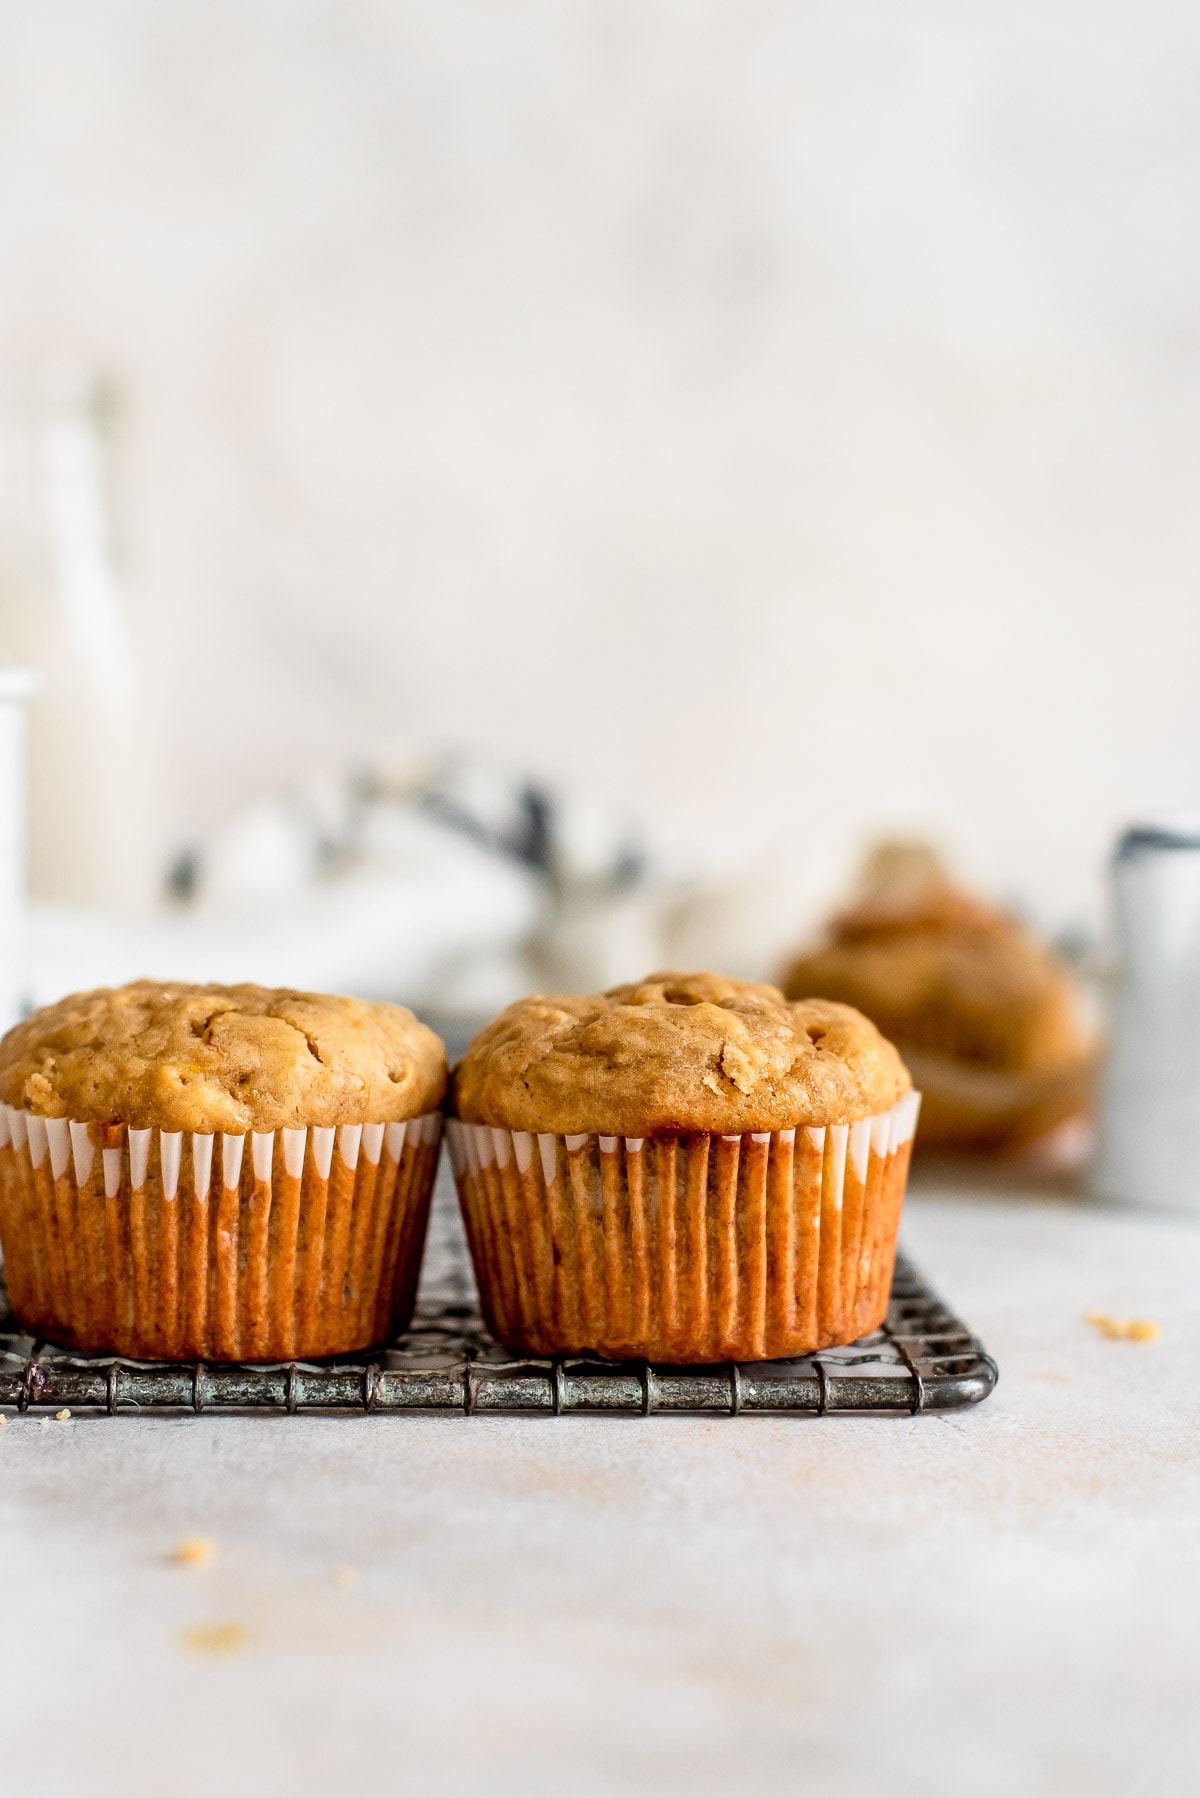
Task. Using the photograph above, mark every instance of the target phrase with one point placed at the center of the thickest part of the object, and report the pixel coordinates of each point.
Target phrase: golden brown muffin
(231, 1058)
(224, 1173)
(987, 1016)
(676, 1052)
(689, 1169)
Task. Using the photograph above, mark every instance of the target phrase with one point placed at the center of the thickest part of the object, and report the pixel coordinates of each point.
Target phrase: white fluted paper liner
(176, 1245)
(685, 1248)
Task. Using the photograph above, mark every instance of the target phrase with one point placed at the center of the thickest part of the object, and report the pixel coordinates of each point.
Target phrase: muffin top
(232, 1058)
(678, 1052)
(944, 974)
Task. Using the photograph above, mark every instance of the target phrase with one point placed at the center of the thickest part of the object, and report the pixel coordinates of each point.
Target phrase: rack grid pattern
(923, 1359)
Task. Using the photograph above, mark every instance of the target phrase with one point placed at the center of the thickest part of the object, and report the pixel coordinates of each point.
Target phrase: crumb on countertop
(345, 1576)
(1124, 1329)
(214, 1638)
(62, 1416)
(194, 1551)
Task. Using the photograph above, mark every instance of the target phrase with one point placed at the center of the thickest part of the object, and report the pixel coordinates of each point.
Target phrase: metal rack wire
(923, 1359)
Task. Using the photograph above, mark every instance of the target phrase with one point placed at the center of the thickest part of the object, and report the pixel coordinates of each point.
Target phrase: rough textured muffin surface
(679, 1052)
(230, 1058)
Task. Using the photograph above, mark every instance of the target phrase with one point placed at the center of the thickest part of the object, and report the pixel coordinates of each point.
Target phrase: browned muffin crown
(677, 1052)
(987, 1016)
(231, 1058)
(944, 974)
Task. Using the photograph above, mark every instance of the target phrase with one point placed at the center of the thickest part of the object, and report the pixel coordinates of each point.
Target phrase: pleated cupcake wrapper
(175, 1245)
(685, 1248)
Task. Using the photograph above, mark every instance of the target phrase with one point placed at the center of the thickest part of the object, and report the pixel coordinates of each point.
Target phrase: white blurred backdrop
(777, 420)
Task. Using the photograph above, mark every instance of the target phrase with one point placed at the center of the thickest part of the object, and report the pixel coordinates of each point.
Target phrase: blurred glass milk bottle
(91, 763)
(1149, 1140)
(16, 684)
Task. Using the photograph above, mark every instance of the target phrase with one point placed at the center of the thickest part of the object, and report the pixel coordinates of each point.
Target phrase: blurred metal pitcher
(1149, 1138)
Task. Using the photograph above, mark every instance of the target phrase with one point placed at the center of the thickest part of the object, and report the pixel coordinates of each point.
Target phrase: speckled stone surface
(992, 1603)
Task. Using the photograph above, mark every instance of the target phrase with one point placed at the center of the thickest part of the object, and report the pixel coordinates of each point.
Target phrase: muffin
(988, 1018)
(225, 1173)
(692, 1169)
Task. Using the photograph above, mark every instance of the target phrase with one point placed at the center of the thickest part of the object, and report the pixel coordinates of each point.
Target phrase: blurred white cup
(1149, 1137)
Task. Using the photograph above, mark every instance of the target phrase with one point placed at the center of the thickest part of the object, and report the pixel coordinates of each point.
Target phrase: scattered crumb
(63, 1416)
(1109, 1327)
(43, 1423)
(345, 1576)
(3, 1418)
(194, 1551)
(215, 1638)
(1059, 1379)
(1124, 1329)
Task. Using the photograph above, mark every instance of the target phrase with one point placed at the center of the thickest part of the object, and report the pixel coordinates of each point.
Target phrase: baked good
(987, 1016)
(687, 1169)
(231, 1173)
(679, 1052)
(232, 1058)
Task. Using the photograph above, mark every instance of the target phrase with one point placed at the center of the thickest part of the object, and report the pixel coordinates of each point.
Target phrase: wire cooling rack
(923, 1359)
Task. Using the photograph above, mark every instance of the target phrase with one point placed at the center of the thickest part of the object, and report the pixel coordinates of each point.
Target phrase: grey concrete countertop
(997, 1602)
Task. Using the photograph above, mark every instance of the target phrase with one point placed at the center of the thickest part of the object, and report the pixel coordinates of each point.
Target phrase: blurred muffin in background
(988, 1017)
